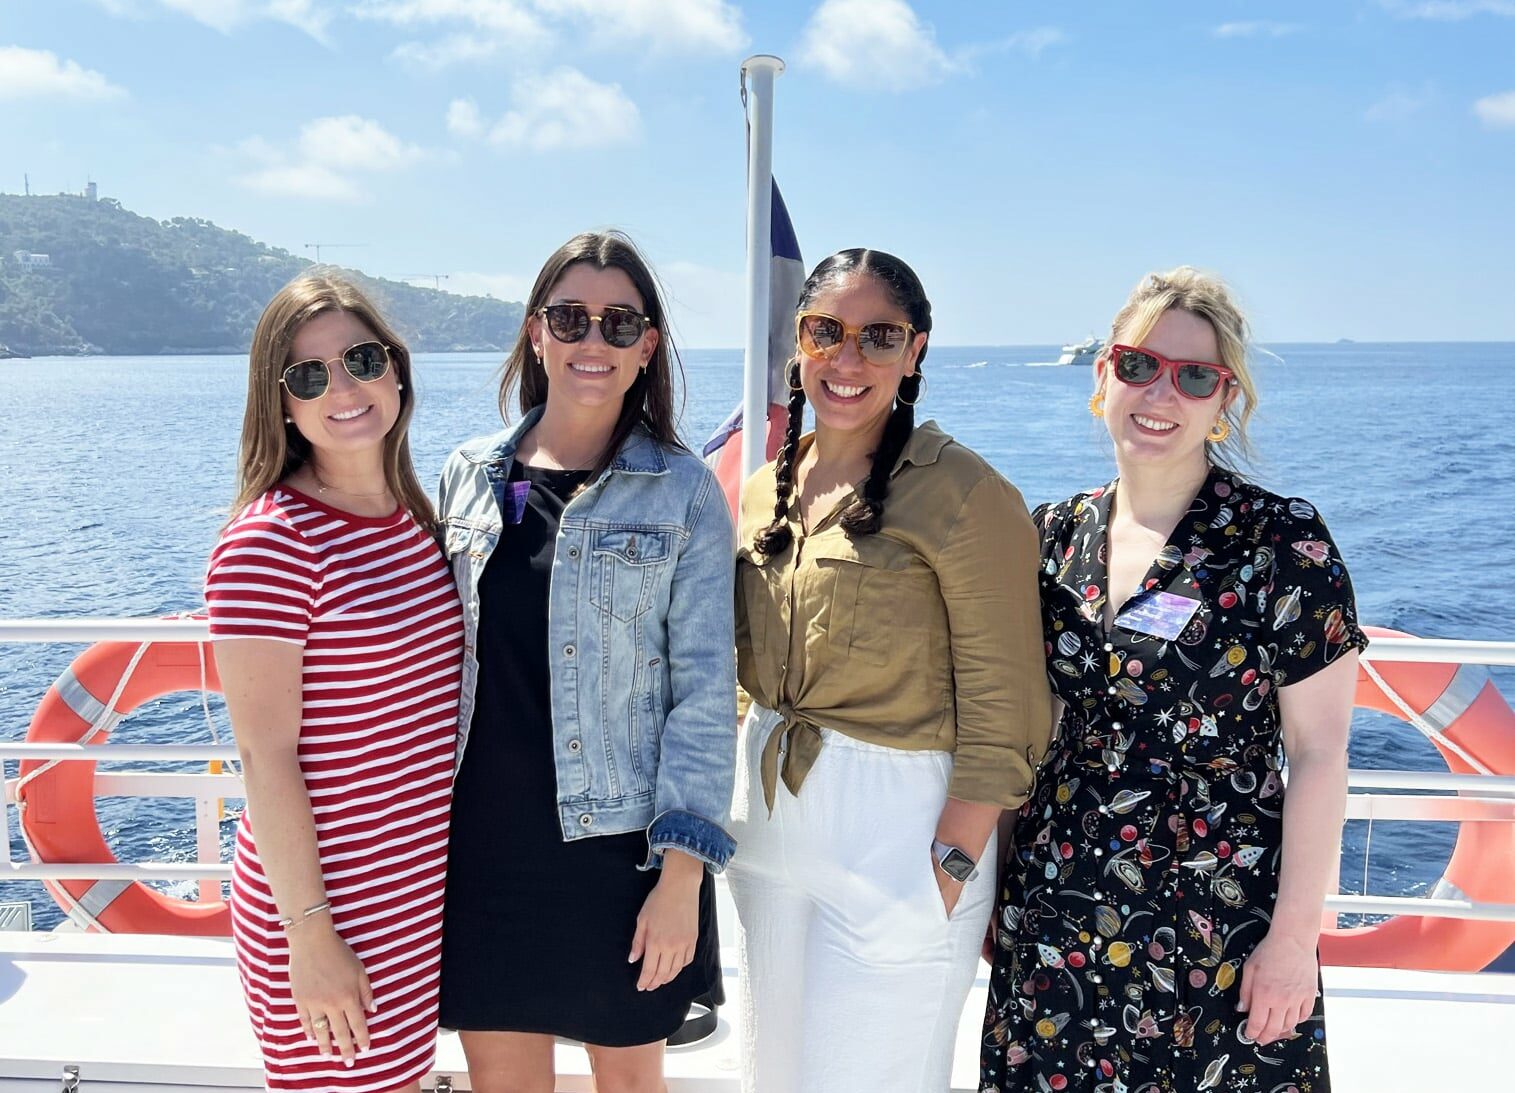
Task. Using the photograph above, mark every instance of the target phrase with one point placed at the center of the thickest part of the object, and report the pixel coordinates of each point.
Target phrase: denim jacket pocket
(626, 565)
(467, 547)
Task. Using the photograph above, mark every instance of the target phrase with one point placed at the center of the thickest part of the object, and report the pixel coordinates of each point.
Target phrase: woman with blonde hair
(339, 641)
(1163, 899)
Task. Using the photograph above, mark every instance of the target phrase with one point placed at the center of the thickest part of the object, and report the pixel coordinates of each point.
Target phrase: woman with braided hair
(887, 633)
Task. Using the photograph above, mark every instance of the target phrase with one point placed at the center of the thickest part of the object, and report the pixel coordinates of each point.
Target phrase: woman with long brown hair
(597, 727)
(339, 641)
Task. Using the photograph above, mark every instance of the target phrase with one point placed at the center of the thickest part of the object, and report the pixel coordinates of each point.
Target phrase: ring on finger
(320, 1024)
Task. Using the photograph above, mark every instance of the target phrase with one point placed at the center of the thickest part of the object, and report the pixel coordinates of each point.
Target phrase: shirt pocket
(625, 567)
(755, 606)
(885, 606)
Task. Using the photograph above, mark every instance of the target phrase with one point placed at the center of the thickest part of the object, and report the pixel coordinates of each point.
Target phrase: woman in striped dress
(339, 641)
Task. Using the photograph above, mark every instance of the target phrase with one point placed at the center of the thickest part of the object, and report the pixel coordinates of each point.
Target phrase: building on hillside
(28, 260)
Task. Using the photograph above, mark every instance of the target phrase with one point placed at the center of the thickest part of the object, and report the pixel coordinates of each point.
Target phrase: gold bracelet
(286, 924)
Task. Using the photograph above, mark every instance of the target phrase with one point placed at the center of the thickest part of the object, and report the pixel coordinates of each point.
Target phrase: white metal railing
(1421, 796)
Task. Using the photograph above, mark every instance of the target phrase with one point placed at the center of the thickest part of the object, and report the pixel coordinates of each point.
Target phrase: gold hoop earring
(1097, 403)
(793, 374)
(925, 386)
(1219, 431)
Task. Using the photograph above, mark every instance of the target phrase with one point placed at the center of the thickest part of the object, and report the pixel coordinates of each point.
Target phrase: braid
(776, 537)
(866, 514)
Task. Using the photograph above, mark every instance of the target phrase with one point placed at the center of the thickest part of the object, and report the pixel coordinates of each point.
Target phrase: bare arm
(262, 683)
(1279, 979)
(967, 826)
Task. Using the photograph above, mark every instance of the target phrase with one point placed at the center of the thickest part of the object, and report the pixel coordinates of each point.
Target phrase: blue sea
(116, 473)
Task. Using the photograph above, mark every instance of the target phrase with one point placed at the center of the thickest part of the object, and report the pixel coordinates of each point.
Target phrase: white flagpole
(757, 79)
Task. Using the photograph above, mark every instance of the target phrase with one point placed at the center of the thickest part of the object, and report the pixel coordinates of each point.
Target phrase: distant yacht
(1082, 353)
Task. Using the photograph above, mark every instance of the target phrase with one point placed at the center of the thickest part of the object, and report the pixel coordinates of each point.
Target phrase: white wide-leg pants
(853, 975)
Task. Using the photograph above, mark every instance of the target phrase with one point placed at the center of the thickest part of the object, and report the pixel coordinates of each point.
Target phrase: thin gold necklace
(322, 487)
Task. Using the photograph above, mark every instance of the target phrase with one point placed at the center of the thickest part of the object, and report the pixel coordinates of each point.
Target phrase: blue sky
(1348, 166)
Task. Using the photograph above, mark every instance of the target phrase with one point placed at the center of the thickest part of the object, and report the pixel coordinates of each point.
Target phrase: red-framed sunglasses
(1194, 379)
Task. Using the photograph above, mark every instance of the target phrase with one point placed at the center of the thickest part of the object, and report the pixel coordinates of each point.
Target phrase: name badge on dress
(1160, 614)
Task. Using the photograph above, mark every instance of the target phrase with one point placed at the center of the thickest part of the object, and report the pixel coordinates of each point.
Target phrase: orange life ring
(1474, 730)
(56, 799)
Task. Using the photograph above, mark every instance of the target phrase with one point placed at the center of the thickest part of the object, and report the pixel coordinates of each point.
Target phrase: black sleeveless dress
(535, 929)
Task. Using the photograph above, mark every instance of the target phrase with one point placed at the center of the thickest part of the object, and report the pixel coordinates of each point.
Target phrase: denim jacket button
(573, 745)
(568, 650)
(586, 820)
(573, 552)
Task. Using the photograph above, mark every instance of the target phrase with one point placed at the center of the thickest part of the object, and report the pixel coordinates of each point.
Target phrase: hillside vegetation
(118, 283)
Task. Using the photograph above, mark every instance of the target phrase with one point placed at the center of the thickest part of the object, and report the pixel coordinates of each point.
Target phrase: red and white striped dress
(373, 604)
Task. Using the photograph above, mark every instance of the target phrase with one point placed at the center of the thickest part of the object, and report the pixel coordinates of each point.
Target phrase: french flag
(787, 273)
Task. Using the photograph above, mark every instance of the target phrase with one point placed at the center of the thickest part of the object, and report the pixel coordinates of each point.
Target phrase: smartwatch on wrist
(952, 861)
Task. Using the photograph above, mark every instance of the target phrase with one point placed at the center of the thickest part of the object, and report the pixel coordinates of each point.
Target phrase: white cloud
(463, 119)
(663, 24)
(1448, 11)
(563, 109)
(510, 17)
(324, 159)
(306, 180)
(1497, 111)
(1400, 103)
(311, 16)
(878, 44)
(1030, 42)
(1261, 28)
(38, 73)
(484, 29)
(360, 141)
(448, 51)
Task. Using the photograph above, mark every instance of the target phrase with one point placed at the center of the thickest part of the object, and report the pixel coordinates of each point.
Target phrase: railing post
(5, 818)
(208, 844)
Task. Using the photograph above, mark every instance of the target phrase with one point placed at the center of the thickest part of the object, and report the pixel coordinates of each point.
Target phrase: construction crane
(329, 246)
(435, 278)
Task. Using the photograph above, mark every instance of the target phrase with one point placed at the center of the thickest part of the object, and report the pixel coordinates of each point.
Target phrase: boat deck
(141, 1013)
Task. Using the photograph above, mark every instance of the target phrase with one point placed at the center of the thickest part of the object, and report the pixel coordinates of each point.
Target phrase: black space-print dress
(1146, 863)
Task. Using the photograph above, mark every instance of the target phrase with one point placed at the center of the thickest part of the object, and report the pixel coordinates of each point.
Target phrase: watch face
(957, 865)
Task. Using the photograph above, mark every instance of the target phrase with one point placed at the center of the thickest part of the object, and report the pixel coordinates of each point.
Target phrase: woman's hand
(669, 923)
(951, 890)
(1279, 984)
(330, 989)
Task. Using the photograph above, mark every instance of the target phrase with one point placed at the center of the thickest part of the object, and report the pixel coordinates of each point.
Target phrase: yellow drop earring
(1097, 403)
(1219, 431)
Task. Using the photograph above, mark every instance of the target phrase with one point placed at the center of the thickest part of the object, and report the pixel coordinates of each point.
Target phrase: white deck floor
(139, 1013)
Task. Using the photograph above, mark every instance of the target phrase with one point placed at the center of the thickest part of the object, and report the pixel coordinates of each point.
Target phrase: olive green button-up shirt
(924, 635)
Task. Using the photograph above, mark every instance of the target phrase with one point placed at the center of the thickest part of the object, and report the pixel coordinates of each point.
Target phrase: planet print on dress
(1164, 784)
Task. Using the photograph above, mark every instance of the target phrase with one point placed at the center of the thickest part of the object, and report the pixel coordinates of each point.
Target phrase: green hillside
(115, 282)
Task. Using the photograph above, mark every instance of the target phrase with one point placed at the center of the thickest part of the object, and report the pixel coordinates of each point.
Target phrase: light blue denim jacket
(640, 637)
